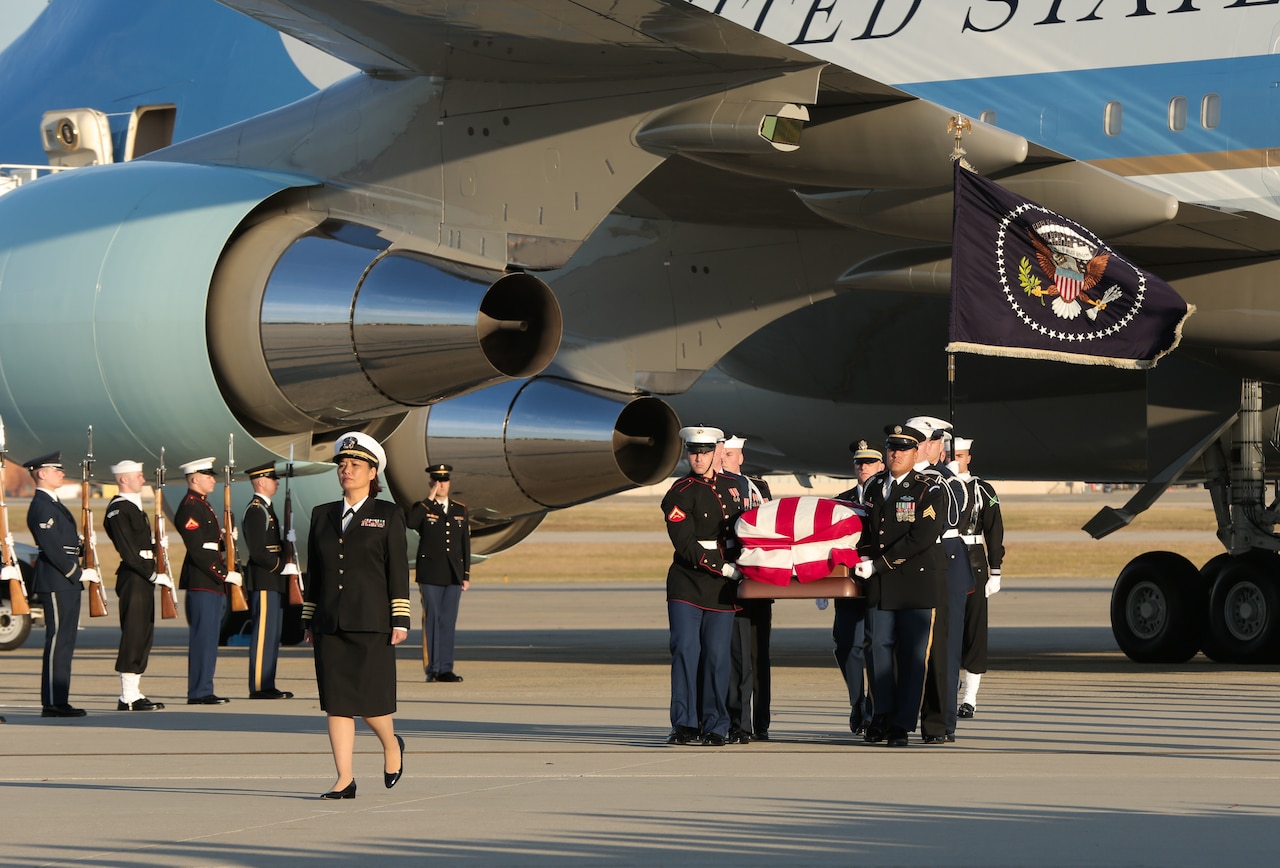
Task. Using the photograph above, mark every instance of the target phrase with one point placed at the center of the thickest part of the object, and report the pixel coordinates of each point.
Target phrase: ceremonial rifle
(97, 596)
(160, 544)
(239, 603)
(290, 538)
(17, 587)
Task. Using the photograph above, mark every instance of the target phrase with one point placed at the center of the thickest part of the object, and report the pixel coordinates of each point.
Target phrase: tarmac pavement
(551, 753)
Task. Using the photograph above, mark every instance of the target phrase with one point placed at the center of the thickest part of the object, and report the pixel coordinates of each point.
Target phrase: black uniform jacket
(203, 569)
(985, 520)
(697, 512)
(265, 548)
(444, 542)
(358, 579)
(902, 536)
(58, 538)
(130, 531)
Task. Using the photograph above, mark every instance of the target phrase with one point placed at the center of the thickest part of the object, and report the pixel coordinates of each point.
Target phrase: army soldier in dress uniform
(848, 626)
(983, 523)
(136, 580)
(204, 578)
(56, 584)
(267, 582)
(700, 510)
(443, 570)
(750, 681)
(906, 581)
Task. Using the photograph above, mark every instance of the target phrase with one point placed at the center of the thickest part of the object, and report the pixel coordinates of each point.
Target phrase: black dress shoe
(450, 677)
(874, 731)
(390, 778)
(935, 739)
(682, 735)
(142, 704)
(431, 676)
(63, 710)
(950, 737)
(271, 694)
(713, 739)
(347, 792)
(965, 711)
(762, 735)
(737, 736)
(897, 737)
(208, 700)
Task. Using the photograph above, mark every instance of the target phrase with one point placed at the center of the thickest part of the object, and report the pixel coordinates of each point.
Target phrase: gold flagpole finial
(958, 126)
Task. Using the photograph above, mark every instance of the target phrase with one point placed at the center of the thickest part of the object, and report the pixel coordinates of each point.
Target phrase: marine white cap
(733, 441)
(125, 467)
(963, 445)
(197, 466)
(701, 438)
(355, 444)
(931, 426)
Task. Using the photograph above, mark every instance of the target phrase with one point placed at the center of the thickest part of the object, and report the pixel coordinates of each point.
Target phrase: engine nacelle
(521, 448)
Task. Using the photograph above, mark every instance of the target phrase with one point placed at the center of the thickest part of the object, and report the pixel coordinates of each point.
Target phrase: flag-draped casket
(802, 536)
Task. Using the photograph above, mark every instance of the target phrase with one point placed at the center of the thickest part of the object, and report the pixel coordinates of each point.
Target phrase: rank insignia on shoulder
(676, 514)
(929, 513)
(373, 522)
(192, 524)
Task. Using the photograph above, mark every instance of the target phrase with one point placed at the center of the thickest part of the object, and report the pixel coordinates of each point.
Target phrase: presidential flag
(1030, 283)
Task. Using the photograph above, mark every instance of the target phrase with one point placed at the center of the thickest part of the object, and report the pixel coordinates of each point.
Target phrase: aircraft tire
(1158, 608)
(1213, 568)
(14, 629)
(1244, 611)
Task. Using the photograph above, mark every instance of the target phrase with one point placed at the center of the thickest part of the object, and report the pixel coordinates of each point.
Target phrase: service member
(750, 681)
(983, 533)
(848, 626)
(267, 581)
(57, 583)
(443, 570)
(906, 581)
(136, 580)
(204, 577)
(700, 510)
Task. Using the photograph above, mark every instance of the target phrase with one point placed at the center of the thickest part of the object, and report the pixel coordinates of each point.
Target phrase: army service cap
(862, 451)
(440, 471)
(904, 436)
(267, 471)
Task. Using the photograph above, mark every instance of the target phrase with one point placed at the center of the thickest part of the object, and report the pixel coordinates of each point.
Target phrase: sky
(15, 16)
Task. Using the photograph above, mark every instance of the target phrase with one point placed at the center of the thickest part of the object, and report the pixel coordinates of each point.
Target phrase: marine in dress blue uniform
(848, 624)
(266, 583)
(443, 570)
(906, 582)
(130, 531)
(204, 577)
(699, 511)
(56, 583)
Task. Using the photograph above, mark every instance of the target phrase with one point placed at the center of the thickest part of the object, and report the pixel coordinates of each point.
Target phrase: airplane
(530, 237)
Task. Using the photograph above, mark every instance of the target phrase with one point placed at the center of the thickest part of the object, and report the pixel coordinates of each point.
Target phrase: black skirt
(356, 673)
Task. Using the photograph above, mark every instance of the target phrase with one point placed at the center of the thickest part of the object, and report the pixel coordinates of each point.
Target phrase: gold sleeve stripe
(400, 606)
(308, 611)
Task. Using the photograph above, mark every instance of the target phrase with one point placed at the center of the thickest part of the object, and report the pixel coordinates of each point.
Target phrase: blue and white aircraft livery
(531, 238)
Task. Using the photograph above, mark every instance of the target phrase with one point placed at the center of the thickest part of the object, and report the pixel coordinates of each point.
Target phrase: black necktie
(346, 517)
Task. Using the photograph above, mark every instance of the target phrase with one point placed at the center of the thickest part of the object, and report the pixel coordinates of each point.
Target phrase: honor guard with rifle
(443, 569)
(205, 579)
(267, 574)
(136, 579)
(57, 582)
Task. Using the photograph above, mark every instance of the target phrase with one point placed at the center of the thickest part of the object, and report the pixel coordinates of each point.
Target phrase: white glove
(729, 571)
(235, 534)
(90, 577)
(10, 572)
(291, 536)
(290, 569)
(864, 569)
(163, 581)
(993, 583)
(236, 579)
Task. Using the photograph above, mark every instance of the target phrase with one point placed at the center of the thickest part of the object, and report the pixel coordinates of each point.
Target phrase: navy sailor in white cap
(700, 510)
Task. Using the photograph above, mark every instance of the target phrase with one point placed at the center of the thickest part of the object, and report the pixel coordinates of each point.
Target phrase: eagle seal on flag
(802, 536)
(1021, 275)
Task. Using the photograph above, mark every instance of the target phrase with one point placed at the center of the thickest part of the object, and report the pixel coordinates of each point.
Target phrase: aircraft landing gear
(1158, 608)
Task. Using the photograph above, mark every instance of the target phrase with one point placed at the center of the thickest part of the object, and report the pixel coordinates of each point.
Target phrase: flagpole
(957, 126)
(951, 389)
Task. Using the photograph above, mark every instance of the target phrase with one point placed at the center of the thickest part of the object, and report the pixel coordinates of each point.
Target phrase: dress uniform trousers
(267, 610)
(902, 641)
(61, 621)
(440, 605)
(700, 667)
(848, 629)
(750, 684)
(137, 601)
(959, 584)
(974, 656)
(204, 618)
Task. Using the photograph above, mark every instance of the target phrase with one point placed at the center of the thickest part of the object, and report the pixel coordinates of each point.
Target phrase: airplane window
(988, 117)
(1178, 113)
(1112, 118)
(1210, 111)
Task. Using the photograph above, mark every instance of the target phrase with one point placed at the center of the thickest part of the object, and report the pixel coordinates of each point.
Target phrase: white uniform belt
(710, 545)
(972, 539)
(950, 534)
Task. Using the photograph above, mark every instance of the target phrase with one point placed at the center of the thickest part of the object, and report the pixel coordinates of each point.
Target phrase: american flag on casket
(802, 536)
